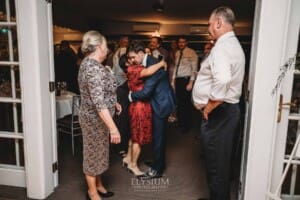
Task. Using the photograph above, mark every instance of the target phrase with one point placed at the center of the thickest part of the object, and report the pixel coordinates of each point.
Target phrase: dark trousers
(122, 120)
(218, 135)
(184, 104)
(159, 142)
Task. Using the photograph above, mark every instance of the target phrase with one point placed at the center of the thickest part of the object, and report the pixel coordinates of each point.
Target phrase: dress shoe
(122, 154)
(152, 174)
(125, 162)
(106, 194)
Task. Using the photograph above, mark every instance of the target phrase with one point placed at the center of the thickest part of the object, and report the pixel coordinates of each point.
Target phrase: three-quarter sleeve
(96, 86)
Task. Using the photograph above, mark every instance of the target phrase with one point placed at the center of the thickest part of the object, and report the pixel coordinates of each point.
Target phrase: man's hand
(118, 108)
(210, 106)
(189, 86)
(173, 84)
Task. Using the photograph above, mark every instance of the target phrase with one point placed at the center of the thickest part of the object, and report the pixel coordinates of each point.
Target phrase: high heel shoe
(125, 162)
(106, 194)
(136, 172)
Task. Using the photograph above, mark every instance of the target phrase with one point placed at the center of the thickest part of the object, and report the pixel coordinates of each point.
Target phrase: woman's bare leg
(92, 189)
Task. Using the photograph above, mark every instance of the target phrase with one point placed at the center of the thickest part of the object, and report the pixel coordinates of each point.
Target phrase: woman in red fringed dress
(140, 114)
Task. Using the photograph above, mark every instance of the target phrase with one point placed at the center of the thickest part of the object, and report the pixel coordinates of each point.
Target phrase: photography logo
(152, 185)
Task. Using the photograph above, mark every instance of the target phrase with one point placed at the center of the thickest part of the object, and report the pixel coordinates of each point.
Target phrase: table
(64, 104)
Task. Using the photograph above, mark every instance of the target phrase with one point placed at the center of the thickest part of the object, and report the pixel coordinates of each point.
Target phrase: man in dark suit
(157, 89)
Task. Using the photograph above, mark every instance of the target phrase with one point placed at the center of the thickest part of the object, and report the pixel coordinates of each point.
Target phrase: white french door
(272, 85)
(28, 144)
(286, 167)
(12, 170)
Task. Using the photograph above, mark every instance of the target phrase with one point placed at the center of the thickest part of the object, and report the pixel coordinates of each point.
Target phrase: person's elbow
(144, 94)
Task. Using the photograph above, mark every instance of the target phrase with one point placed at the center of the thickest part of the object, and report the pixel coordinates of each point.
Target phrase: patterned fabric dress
(98, 91)
(140, 112)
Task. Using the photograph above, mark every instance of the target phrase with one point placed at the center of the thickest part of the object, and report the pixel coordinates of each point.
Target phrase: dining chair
(70, 124)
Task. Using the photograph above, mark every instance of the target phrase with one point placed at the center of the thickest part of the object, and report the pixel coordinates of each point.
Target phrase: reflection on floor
(184, 178)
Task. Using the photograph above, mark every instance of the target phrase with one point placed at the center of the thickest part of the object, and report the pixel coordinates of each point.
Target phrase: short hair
(136, 46)
(182, 37)
(124, 37)
(64, 44)
(159, 40)
(91, 40)
(226, 13)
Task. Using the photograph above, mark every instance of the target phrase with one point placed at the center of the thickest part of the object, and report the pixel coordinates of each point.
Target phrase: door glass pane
(4, 43)
(291, 184)
(6, 117)
(11, 122)
(3, 11)
(286, 188)
(7, 151)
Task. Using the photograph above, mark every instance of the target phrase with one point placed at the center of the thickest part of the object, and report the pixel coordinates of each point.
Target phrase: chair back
(76, 105)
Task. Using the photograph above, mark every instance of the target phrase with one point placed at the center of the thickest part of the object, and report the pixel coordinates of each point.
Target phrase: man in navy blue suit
(158, 90)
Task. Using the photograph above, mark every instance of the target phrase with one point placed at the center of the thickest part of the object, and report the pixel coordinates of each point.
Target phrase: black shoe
(88, 196)
(152, 174)
(106, 195)
(122, 154)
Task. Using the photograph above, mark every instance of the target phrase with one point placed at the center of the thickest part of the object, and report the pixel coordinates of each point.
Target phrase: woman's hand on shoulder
(118, 108)
(163, 64)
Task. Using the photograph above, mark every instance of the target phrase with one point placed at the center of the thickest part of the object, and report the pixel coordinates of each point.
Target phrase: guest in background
(110, 54)
(66, 69)
(207, 48)
(172, 58)
(98, 102)
(122, 120)
(182, 82)
(157, 50)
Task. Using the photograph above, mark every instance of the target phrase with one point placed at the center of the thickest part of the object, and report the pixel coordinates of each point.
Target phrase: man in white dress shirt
(216, 93)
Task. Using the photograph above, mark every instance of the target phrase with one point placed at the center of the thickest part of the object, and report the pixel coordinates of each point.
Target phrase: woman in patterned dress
(140, 113)
(98, 102)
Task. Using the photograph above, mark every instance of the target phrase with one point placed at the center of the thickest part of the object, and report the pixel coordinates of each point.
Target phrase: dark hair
(122, 63)
(159, 40)
(182, 37)
(136, 46)
(226, 13)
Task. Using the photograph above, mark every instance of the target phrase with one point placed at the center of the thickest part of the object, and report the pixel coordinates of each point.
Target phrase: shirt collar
(226, 36)
(144, 63)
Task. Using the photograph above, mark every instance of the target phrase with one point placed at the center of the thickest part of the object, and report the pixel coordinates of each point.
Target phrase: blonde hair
(91, 40)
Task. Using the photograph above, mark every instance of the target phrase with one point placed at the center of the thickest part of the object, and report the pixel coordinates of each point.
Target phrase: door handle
(281, 104)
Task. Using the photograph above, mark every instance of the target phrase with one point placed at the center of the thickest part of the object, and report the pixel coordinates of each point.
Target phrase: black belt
(183, 77)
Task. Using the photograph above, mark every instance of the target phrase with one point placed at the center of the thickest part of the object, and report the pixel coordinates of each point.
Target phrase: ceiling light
(158, 6)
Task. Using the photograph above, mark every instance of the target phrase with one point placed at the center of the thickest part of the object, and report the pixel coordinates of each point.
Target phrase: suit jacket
(158, 90)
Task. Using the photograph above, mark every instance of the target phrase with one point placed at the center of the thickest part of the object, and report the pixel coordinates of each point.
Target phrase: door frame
(271, 17)
(268, 54)
(36, 71)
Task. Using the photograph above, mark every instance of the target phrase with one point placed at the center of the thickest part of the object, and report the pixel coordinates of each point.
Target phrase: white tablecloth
(64, 104)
